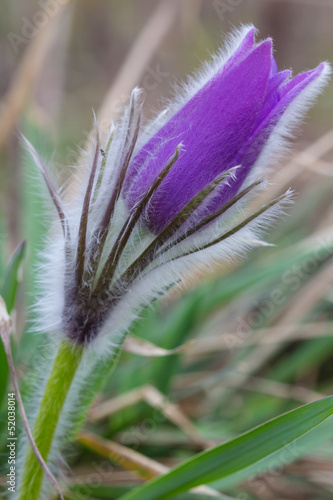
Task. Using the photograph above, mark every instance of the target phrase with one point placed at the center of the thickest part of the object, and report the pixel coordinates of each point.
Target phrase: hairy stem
(61, 377)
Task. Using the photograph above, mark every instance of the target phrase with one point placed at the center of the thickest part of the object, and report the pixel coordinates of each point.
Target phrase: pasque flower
(153, 201)
(160, 197)
(226, 122)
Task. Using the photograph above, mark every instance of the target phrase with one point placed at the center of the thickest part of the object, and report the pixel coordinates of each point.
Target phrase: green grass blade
(237, 454)
(10, 281)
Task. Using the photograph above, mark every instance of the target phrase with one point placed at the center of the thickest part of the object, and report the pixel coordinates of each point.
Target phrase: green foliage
(238, 383)
(237, 454)
(10, 280)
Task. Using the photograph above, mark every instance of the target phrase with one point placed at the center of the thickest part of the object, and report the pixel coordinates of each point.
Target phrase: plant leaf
(10, 281)
(237, 454)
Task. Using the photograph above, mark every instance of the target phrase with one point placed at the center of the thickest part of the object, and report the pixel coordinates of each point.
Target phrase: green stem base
(61, 377)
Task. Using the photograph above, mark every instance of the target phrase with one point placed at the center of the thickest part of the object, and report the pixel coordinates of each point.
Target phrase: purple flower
(187, 176)
(226, 122)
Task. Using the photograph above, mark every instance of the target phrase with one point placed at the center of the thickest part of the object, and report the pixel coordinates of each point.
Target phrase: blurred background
(62, 59)
(264, 341)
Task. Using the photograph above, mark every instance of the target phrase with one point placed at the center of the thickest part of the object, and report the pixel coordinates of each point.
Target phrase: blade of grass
(237, 454)
(129, 459)
(11, 281)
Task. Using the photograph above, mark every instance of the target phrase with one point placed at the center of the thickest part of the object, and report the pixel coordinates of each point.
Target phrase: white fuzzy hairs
(53, 276)
(57, 268)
